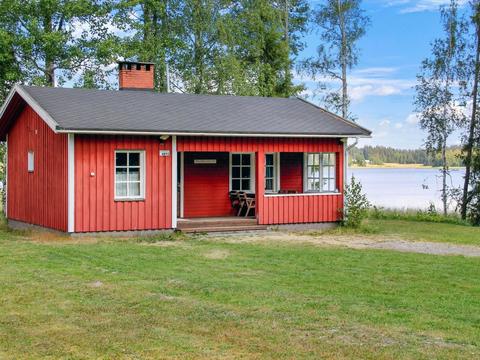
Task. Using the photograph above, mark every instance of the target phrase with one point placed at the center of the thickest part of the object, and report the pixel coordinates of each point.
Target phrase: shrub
(356, 204)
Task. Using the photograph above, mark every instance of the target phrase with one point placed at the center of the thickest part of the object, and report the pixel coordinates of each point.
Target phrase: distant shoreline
(400, 166)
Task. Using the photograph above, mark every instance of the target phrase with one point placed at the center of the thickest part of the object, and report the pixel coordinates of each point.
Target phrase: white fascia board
(174, 133)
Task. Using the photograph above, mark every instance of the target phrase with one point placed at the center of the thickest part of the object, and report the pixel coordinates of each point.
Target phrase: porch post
(174, 182)
(259, 184)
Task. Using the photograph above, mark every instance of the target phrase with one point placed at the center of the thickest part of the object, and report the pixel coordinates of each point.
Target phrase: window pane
(134, 189)
(332, 185)
(269, 159)
(121, 189)
(326, 159)
(235, 184)
(310, 159)
(246, 159)
(326, 171)
(134, 159)
(235, 172)
(269, 172)
(313, 171)
(246, 184)
(309, 184)
(268, 184)
(316, 184)
(121, 174)
(121, 159)
(245, 172)
(235, 159)
(134, 174)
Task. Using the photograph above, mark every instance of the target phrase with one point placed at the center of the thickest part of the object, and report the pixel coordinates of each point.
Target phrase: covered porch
(292, 180)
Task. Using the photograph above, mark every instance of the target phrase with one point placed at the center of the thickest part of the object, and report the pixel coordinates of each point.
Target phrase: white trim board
(183, 133)
(71, 183)
(174, 181)
(182, 184)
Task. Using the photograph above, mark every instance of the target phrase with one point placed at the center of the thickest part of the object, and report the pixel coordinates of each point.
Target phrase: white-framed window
(242, 172)
(320, 172)
(30, 161)
(272, 172)
(129, 174)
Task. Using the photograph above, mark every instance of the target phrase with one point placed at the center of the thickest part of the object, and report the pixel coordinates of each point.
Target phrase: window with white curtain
(320, 172)
(129, 175)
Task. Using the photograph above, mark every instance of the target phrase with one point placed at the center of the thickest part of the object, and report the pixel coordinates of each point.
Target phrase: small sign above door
(205, 161)
(164, 152)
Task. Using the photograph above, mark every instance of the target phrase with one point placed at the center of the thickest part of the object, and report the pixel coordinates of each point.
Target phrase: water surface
(405, 188)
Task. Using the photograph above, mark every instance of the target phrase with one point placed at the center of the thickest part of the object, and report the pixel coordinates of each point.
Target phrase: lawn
(427, 231)
(207, 298)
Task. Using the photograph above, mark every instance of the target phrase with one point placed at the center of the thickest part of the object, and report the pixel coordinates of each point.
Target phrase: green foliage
(383, 154)
(429, 215)
(341, 24)
(356, 204)
(55, 39)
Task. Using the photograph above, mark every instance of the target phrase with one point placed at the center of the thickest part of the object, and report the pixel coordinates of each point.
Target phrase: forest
(378, 155)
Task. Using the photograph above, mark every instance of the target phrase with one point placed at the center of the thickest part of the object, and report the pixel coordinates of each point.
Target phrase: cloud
(384, 123)
(362, 83)
(413, 6)
(412, 119)
(398, 125)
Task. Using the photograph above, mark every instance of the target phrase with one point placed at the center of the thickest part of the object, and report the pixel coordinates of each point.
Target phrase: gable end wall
(38, 197)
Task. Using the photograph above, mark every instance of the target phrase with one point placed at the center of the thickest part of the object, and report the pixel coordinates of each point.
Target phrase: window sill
(303, 194)
(139, 199)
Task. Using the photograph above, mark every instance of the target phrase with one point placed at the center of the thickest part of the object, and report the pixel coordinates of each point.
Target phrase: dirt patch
(359, 242)
(217, 254)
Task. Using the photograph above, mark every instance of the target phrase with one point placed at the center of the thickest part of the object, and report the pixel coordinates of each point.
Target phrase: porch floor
(218, 224)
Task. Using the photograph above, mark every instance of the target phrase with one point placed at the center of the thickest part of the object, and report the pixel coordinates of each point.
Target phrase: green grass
(424, 231)
(199, 298)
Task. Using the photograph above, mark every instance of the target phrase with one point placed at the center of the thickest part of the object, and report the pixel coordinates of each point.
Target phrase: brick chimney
(135, 75)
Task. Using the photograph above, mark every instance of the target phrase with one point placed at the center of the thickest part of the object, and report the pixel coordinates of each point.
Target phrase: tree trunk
(343, 59)
(288, 77)
(49, 59)
(444, 176)
(473, 122)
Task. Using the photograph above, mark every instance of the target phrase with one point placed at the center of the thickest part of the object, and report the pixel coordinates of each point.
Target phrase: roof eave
(204, 133)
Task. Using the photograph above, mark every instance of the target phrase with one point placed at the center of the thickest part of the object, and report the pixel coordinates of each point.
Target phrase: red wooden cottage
(93, 160)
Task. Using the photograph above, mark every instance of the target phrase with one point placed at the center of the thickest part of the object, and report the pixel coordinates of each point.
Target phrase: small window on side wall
(31, 161)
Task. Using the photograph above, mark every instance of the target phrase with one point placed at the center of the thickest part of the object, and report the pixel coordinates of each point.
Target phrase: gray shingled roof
(144, 111)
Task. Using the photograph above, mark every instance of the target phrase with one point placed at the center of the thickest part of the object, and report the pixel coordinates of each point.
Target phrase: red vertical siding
(39, 197)
(206, 186)
(95, 206)
(277, 209)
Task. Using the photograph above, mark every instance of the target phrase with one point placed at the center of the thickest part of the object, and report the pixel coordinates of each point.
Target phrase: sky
(381, 86)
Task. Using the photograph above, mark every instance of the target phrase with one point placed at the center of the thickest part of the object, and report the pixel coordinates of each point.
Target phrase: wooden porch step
(208, 229)
(184, 224)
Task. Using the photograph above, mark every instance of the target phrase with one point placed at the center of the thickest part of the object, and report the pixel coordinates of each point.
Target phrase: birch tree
(341, 23)
(437, 96)
(472, 127)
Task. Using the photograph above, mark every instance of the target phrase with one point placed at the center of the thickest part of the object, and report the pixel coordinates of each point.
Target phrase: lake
(405, 188)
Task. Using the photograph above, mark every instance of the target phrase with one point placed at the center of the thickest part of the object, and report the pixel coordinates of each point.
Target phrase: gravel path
(355, 242)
